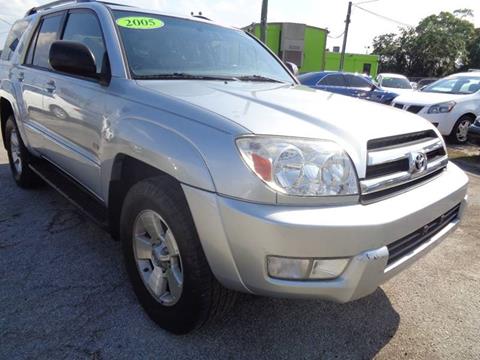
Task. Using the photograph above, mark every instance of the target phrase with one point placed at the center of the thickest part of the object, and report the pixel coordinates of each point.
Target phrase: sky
(329, 14)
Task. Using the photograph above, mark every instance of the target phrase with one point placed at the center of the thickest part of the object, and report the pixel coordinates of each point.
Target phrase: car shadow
(96, 312)
(469, 163)
(304, 328)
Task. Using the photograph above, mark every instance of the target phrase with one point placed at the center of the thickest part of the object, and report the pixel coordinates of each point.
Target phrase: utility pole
(263, 22)
(345, 34)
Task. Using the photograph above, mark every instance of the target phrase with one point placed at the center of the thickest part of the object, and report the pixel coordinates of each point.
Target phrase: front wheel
(459, 134)
(19, 157)
(165, 260)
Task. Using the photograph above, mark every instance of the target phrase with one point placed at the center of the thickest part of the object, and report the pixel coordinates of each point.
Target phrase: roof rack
(36, 9)
(53, 4)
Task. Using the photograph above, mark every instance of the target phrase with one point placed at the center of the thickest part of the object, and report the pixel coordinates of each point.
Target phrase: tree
(437, 46)
(474, 51)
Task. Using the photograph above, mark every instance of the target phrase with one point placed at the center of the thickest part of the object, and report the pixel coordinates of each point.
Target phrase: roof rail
(36, 9)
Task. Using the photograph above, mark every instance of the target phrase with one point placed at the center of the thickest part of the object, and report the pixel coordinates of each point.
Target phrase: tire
(200, 298)
(460, 130)
(19, 157)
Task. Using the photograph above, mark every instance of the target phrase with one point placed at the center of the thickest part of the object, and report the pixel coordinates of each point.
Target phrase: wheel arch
(6, 109)
(469, 114)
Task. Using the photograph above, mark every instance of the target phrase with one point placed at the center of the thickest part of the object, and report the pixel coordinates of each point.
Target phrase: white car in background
(395, 83)
(452, 104)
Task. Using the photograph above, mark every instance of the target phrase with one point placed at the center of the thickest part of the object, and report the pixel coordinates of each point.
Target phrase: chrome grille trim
(392, 165)
(399, 178)
(385, 156)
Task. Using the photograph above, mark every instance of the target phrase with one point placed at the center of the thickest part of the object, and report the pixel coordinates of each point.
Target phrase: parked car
(347, 84)
(394, 83)
(474, 132)
(213, 166)
(424, 82)
(451, 104)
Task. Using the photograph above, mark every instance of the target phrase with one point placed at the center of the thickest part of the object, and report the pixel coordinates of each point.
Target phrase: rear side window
(357, 81)
(84, 27)
(333, 80)
(46, 36)
(13, 38)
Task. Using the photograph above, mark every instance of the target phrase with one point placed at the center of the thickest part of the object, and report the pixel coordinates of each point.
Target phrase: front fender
(158, 146)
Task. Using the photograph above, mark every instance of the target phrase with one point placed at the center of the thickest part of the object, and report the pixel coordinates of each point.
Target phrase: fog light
(288, 268)
(305, 269)
(328, 269)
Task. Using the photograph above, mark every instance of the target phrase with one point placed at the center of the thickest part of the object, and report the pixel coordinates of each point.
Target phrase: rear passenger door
(33, 76)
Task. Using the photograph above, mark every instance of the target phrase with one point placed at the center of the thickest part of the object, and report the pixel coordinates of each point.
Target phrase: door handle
(20, 76)
(50, 87)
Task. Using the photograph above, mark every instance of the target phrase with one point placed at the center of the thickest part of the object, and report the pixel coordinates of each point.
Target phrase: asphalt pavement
(64, 293)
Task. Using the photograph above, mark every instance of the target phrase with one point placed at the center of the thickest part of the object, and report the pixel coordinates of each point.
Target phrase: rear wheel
(19, 157)
(459, 134)
(165, 260)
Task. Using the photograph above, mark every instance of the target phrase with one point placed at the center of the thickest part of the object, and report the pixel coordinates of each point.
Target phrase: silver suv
(196, 147)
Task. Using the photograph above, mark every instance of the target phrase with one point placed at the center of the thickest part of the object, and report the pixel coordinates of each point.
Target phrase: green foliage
(439, 45)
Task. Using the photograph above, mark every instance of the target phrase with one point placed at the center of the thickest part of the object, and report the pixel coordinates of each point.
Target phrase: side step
(72, 191)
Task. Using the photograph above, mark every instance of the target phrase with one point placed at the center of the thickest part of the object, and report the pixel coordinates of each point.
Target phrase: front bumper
(238, 236)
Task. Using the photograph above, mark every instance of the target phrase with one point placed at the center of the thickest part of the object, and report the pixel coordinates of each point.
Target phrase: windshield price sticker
(140, 23)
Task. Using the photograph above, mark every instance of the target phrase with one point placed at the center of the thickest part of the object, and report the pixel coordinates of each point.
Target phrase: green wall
(314, 51)
(314, 47)
(353, 62)
(315, 58)
(273, 36)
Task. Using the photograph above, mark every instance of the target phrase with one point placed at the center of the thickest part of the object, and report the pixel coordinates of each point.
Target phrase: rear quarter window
(13, 38)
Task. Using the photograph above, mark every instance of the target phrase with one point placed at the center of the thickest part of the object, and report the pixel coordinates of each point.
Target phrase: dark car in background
(474, 132)
(354, 85)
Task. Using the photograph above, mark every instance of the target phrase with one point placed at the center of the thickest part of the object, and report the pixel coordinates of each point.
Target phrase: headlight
(300, 167)
(442, 107)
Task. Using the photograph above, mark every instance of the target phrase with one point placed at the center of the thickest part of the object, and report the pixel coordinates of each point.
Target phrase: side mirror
(292, 67)
(72, 57)
(373, 87)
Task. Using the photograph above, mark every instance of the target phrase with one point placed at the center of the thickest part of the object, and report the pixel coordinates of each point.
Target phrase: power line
(6, 22)
(382, 16)
(336, 37)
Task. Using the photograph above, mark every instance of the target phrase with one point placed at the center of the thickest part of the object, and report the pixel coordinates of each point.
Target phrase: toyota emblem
(418, 162)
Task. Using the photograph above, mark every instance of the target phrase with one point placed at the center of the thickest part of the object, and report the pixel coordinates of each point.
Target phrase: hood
(425, 98)
(279, 109)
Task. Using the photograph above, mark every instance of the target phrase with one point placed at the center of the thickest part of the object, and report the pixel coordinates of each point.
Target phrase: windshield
(397, 83)
(160, 46)
(458, 85)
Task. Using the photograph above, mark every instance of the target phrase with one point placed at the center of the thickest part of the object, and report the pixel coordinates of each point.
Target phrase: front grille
(414, 109)
(399, 165)
(409, 243)
(400, 139)
(411, 108)
(391, 165)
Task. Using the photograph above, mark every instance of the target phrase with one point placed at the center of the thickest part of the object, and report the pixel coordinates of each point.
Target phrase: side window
(13, 38)
(357, 81)
(84, 27)
(333, 80)
(46, 36)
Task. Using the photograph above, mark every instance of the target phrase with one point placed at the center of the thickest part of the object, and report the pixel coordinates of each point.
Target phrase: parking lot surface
(64, 294)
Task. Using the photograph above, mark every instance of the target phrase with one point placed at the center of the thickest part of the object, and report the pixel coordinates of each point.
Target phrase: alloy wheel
(157, 257)
(15, 151)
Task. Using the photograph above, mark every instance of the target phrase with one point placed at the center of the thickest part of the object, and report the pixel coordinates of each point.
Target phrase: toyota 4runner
(197, 147)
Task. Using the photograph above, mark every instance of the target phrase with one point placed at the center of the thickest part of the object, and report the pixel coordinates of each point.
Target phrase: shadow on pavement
(469, 163)
(65, 294)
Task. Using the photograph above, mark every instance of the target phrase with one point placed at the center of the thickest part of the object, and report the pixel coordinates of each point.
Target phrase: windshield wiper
(259, 78)
(184, 76)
